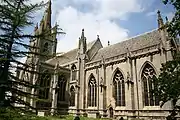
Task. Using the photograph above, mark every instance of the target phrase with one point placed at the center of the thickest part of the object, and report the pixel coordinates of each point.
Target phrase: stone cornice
(109, 61)
(51, 67)
(69, 63)
(106, 60)
(135, 53)
(146, 54)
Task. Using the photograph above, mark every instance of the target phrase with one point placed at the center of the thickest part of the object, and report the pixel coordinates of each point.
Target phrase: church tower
(45, 44)
(43, 47)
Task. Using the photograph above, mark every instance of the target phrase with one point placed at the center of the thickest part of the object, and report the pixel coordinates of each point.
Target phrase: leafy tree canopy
(168, 82)
(174, 25)
(15, 16)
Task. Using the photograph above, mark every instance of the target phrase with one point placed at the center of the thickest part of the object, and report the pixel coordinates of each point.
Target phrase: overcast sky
(112, 20)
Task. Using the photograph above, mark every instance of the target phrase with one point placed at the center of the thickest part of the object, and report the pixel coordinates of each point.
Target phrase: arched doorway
(111, 113)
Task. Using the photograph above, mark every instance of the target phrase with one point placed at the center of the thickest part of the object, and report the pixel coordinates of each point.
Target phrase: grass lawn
(70, 117)
(16, 114)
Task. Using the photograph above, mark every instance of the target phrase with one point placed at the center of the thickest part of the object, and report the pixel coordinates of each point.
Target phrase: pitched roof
(135, 43)
(68, 56)
(139, 42)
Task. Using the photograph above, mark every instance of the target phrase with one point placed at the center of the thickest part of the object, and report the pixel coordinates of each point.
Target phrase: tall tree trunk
(4, 77)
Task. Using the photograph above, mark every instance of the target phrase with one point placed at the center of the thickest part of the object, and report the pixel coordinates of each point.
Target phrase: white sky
(72, 17)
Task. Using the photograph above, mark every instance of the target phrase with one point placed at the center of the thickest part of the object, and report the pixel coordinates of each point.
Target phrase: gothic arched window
(61, 87)
(119, 88)
(74, 72)
(45, 80)
(92, 91)
(72, 96)
(147, 75)
(45, 47)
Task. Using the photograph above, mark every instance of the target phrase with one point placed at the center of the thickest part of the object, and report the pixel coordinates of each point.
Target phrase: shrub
(17, 114)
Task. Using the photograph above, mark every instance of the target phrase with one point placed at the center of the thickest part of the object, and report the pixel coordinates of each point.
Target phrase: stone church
(97, 81)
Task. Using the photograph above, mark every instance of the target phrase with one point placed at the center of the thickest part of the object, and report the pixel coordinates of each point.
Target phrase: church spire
(36, 27)
(82, 34)
(160, 20)
(98, 37)
(47, 17)
(82, 43)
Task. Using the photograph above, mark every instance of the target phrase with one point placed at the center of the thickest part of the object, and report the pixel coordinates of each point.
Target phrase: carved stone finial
(36, 27)
(160, 20)
(101, 81)
(128, 53)
(82, 34)
(108, 43)
(97, 36)
(56, 24)
(166, 19)
(159, 15)
(57, 65)
(102, 58)
(128, 76)
(49, 6)
(37, 61)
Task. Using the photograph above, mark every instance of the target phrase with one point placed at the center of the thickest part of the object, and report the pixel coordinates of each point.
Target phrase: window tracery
(61, 87)
(45, 47)
(119, 88)
(45, 85)
(147, 75)
(72, 96)
(74, 72)
(92, 92)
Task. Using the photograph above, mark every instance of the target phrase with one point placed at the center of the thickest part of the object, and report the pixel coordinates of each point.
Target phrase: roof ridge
(141, 34)
(77, 48)
(130, 38)
(70, 51)
(68, 56)
(134, 43)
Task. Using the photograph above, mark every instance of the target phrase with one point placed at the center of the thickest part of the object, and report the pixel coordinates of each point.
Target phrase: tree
(174, 25)
(168, 82)
(15, 16)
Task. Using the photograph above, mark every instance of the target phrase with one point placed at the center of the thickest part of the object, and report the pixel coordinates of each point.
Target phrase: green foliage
(168, 83)
(15, 16)
(174, 25)
(71, 117)
(137, 119)
(16, 114)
